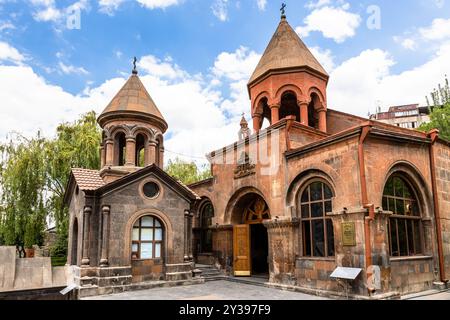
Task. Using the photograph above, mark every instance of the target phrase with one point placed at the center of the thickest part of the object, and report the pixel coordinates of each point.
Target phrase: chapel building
(315, 190)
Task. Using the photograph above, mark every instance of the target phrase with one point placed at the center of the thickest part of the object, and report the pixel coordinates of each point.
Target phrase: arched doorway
(74, 251)
(250, 238)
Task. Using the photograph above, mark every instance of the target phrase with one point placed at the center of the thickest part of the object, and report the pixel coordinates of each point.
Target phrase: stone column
(322, 119)
(151, 153)
(131, 152)
(380, 251)
(257, 122)
(186, 238)
(191, 256)
(105, 236)
(102, 155)
(109, 158)
(161, 157)
(86, 216)
(275, 110)
(282, 237)
(304, 112)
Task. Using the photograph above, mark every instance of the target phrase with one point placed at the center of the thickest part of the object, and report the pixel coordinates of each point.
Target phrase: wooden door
(241, 250)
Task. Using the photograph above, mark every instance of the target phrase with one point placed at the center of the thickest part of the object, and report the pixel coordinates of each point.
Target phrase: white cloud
(319, 3)
(46, 11)
(10, 54)
(409, 44)
(109, 6)
(336, 23)
(48, 14)
(162, 69)
(261, 4)
(359, 83)
(237, 65)
(220, 9)
(6, 25)
(69, 69)
(154, 4)
(325, 57)
(439, 30)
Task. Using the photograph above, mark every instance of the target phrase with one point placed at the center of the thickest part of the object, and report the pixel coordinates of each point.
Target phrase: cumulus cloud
(361, 83)
(47, 11)
(236, 65)
(439, 30)
(431, 36)
(335, 23)
(317, 4)
(220, 9)
(162, 69)
(325, 57)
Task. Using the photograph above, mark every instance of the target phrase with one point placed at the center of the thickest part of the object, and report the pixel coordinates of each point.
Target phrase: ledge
(316, 259)
(412, 258)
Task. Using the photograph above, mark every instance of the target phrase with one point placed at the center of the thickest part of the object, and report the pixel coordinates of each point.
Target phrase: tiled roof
(88, 179)
(132, 98)
(189, 189)
(286, 50)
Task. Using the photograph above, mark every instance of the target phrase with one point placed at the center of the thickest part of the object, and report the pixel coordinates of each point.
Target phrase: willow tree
(76, 146)
(23, 184)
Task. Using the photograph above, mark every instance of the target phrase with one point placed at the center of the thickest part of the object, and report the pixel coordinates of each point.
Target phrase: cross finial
(283, 10)
(134, 66)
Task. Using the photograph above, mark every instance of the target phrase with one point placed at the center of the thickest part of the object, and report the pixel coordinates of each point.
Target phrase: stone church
(311, 190)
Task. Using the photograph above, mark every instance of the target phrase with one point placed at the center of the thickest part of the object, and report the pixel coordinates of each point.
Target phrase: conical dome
(286, 51)
(133, 101)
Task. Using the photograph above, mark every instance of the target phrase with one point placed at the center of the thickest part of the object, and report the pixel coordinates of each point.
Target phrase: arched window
(317, 229)
(141, 142)
(120, 151)
(405, 237)
(289, 106)
(147, 239)
(206, 215)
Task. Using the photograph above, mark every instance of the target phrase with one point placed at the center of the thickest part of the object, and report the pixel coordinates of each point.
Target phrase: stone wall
(442, 161)
(412, 275)
(33, 273)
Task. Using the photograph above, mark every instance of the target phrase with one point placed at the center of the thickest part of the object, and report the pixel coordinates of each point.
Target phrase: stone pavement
(429, 295)
(214, 290)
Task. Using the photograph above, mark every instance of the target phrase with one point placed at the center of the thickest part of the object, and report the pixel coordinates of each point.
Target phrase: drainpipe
(367, 127)
(434, 134)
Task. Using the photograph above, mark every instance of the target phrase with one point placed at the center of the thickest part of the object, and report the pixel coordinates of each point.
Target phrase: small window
(147, 239)
(151, 190)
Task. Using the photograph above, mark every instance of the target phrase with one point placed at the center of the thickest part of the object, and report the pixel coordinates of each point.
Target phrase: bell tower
(133, 129)
(288, 81)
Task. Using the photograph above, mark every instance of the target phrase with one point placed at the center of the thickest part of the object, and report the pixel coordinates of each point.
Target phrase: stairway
(209, 272)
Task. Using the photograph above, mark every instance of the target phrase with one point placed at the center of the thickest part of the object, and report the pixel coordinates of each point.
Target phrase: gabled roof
(135, 101)
(88, 180)
(286, 50)
(176, 185)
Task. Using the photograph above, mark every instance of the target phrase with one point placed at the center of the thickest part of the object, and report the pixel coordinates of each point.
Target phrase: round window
(151, 190)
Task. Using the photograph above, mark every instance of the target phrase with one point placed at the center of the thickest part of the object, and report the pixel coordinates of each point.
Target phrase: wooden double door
(250, 241)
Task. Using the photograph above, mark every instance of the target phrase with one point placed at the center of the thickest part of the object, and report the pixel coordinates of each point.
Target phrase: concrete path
(214, 290)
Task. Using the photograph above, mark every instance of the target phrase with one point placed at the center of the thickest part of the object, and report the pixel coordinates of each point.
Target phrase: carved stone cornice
(282, 223)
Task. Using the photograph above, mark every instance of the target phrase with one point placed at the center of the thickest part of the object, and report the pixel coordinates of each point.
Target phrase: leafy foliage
(187, 172)
(440, 114)
(34, 175)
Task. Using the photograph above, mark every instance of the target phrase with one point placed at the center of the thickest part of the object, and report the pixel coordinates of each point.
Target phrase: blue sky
(197, 55)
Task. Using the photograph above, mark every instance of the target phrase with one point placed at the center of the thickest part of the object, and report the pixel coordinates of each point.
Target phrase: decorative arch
(233, 206)
(74, 252)
(261, 96)
(418, 182)
(167, 234)
(119, 128)
(302, 179)
(318, 92)
(205, 219)
(288, 88)
(142, 130)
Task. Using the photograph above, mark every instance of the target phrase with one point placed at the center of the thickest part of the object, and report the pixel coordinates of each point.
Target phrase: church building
(312, 190)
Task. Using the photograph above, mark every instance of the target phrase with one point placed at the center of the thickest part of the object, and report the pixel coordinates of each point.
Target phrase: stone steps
(209, 272)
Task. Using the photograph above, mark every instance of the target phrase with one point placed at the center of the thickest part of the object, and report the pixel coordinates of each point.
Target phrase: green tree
(440, 113)
(23, 181)
(187, 172)
(75, 146)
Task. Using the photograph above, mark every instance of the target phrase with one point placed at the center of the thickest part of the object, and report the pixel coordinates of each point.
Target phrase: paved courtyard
(214, 290)
(227, 290)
